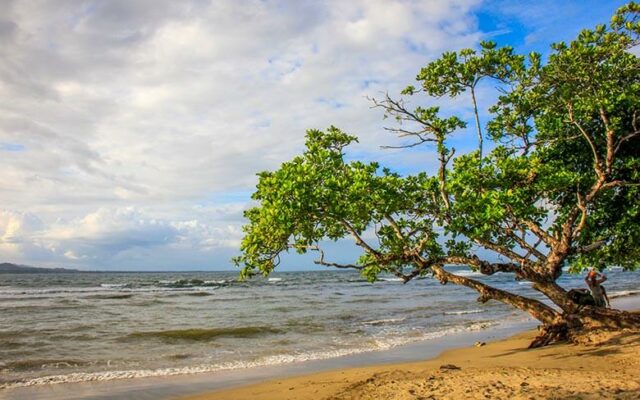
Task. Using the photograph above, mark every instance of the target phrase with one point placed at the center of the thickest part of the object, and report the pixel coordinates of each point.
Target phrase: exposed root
(550, 334)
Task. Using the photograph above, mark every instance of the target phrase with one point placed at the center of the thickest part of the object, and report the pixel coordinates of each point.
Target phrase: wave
(383, 321)
(623, 293)
(111, 296)
(27, 365)
(275, 280)
(27, 294)
(463, 312)
(199, 293)
(391, 279)
(466, 272)
(367, 299)
(199, 334)
(377, 345)
(189, 283)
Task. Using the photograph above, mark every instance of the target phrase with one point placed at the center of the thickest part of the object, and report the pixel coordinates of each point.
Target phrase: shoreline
(504, 369)
(557, 371)
(204, 386)
(178, 386)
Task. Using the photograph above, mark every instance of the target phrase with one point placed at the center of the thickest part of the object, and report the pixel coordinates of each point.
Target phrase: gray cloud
(130, 112)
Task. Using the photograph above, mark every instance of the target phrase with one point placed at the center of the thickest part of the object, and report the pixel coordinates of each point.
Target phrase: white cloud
(135, 117)
(112, 235)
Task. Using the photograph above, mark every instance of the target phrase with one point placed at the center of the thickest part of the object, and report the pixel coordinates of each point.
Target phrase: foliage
(562, 184)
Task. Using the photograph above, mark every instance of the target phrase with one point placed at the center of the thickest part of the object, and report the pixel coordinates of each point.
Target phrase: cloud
(132, 121)
(109, 237)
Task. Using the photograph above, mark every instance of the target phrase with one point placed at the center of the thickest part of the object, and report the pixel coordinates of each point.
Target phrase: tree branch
(636, 131)
(359, 240)
(477, 117)
(596, 158)
(531, 250)
(610, 144)
(583, 218)
(395, 227)
(536, 308)
(321, 260)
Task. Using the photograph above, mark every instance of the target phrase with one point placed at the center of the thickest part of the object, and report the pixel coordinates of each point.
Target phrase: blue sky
(135, 128)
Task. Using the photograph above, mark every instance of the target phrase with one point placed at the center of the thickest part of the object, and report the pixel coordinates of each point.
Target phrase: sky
(131, 131)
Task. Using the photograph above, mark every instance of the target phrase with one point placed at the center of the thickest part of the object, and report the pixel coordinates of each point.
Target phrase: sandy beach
(606, 368)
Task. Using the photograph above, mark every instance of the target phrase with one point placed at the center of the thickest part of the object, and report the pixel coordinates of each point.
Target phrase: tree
(561, 186)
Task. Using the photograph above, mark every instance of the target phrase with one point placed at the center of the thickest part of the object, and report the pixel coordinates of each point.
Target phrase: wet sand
(606, 367)
(504, 369)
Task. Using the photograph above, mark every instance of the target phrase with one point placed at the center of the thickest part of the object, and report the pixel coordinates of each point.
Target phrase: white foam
(466, 272)
(275, 279)
(103, 288)
(377, 345)
(383, 321)
(463, 312)
(623, 293)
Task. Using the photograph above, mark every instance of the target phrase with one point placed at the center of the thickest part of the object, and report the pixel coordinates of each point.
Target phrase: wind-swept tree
(561, 186)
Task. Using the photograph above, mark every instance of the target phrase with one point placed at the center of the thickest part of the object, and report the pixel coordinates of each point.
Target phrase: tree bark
(558, 325)
(535, 308)
(589, 317)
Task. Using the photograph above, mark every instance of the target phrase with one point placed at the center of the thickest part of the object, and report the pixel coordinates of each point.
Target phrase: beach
(167, 336)
(450, 367)
(504, 369)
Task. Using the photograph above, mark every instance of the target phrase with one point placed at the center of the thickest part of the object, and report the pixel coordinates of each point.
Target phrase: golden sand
(506, 369)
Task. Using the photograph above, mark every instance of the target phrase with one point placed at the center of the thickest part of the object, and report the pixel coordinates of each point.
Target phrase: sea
(85, 327)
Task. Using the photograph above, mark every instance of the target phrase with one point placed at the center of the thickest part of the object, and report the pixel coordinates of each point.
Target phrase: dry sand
(506, 369)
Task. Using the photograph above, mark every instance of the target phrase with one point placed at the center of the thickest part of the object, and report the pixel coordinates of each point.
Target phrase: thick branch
(395, 227)
(548, 239)
(583, 218)
(536, 308)
(484, 267)
(510, 254)
(590, 247)
(610, 144)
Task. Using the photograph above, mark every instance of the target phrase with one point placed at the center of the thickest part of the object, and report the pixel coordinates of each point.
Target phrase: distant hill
(8, 268)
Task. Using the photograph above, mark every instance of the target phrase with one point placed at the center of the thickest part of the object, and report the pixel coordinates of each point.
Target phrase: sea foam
(377, 345)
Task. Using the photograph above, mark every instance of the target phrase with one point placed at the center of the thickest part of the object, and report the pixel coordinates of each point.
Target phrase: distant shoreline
(10, 268)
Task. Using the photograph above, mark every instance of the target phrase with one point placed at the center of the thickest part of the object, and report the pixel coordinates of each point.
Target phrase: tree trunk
(557, 325)
(589, 317)
(588, 320)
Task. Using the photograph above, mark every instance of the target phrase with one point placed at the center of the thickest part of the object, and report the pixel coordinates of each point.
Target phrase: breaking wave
(378, 345)
(463, 312)
(199, 334)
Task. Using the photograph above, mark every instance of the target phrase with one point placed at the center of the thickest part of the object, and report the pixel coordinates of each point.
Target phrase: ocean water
(58, 328)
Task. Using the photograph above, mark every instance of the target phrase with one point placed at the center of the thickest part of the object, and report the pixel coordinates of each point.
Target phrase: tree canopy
(561, 185)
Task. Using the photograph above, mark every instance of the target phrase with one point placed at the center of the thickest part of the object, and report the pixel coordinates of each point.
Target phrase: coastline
(231, 384)
(503, 368)
(178, 386)
(222, 384)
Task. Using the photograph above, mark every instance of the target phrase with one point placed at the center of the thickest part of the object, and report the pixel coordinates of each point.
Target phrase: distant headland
(9, 268)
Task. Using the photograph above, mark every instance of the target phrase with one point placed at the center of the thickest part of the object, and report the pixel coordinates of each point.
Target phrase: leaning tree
(561, 186)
